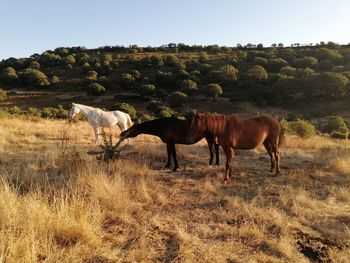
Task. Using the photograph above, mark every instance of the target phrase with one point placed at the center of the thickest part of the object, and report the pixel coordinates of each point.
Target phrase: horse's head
(197, 127)
(131, 132)
(73, 111)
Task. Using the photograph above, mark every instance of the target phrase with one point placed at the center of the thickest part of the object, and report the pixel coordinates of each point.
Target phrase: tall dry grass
(59, 204)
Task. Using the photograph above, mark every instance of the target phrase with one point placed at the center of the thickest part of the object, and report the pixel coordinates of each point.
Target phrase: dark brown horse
(233, 133)
(172, 131)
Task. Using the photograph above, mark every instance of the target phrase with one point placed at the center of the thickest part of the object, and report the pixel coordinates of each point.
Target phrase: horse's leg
(270, 152)
(216, 146)
(96, 130)
(168, 148)
(228, 153)
(210, 142)
(173, 151)
(277, 158)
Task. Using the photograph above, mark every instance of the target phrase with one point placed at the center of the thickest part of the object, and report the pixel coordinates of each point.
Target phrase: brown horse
(172, 131)
(234, 133)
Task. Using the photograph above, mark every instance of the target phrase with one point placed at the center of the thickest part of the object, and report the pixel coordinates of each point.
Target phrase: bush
(54, 113)
(14, 110)
(300, 128)
(164, 113)
(154, 106)
(125, 107)
(147, 90)
(177, 98)
(213, 90)
(145, 117)
(95, 89)
(54, 80)
(188, 86)
(335, 123)
(92, 76)
(3, 95)
(9, 75)
(35, 77)
(126, 80)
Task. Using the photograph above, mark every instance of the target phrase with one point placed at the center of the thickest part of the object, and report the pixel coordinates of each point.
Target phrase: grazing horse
(172, 131)
(233, 133)
(99, 118)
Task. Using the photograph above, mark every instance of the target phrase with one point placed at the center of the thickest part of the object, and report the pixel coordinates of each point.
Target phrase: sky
(33, 26)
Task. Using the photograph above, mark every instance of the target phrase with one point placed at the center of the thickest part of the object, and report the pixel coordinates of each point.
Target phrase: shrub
(54, 80)
(188, 86)
(54, 113)
(34, 112)
(145, 117)
(70, 59)
(14, 110)
(146, 90)
(154, 106)
(126, 80)
(343, 133)
(177, 98)
(335, 123)
(95, 89)
(34, 64)
(213, 90)
(300, 128)
(3, 95)
(86, 67)
(35, 77)
(125, 107)
(9, 75)
(164, 113)
(92, 76)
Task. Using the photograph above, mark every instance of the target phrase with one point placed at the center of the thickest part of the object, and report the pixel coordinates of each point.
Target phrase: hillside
(59, 204)
(178, 78)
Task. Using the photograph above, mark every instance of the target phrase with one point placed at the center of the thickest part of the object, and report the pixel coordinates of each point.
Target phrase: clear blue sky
(33, 26)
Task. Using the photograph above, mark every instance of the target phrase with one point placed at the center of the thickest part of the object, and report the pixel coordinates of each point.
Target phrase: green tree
(147, 90)
(305, 62)
(9, 75)
(260, 61)
(257, 72)
(34, 77)
(34, 64)
(92, 76)
(3, 95)
(54, 80)
(276, 64)
(288, 70)
(213, 90)
(177, 98)
(95, 89)
(228, 73)
(126, 80)
(70, 59)
(188, 86)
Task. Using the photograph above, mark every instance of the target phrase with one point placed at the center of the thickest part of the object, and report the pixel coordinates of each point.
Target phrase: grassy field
(59, 204)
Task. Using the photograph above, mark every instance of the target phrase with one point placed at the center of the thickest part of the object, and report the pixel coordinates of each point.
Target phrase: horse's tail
(128, 120)
(282, 138)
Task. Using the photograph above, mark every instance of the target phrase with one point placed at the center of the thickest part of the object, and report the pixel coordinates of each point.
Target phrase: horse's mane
(214, 123)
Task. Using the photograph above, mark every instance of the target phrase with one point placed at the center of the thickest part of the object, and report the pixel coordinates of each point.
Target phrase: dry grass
(60, 205)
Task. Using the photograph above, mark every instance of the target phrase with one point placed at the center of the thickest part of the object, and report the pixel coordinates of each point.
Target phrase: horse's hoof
(225, 181)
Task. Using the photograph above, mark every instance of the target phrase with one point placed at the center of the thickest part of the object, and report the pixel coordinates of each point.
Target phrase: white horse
(99, 118)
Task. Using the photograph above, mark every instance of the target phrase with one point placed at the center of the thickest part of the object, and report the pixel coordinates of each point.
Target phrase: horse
(233, 132)
(172, 131)
(99, 118)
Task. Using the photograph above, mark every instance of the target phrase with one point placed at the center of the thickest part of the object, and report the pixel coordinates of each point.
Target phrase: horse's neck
(216, 124)
(85, 109)
(149, 128)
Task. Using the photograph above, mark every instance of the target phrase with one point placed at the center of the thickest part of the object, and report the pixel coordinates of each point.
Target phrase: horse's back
(251, 133)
